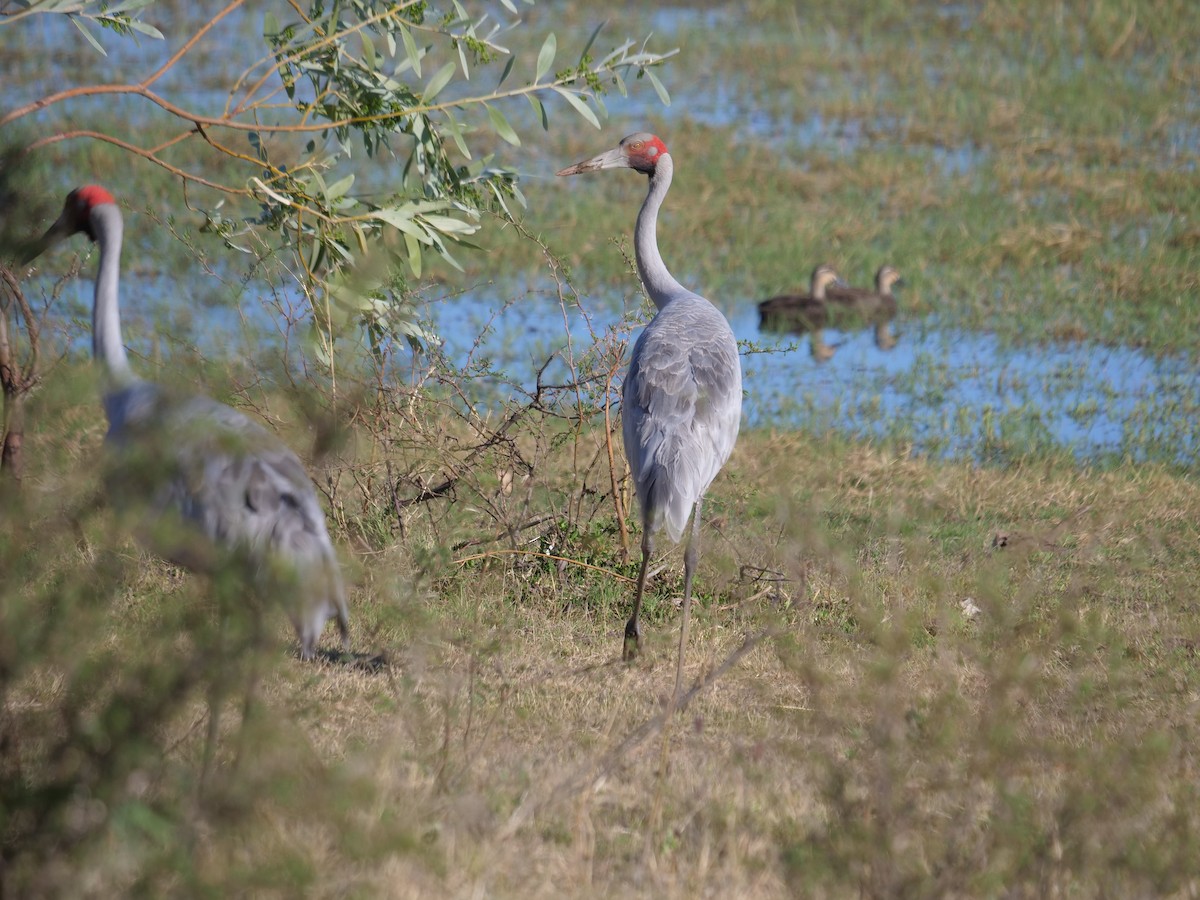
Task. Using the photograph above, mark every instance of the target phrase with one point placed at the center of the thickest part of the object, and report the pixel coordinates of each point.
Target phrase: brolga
(211, 477)
(681, 402)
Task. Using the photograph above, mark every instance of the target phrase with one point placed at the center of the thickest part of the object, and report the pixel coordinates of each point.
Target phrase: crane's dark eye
(636, 145)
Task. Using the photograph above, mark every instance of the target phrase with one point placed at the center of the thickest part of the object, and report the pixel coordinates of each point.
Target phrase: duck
(877, 307)
(800, 313)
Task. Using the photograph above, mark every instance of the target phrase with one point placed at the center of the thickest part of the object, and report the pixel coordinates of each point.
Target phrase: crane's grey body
(200, 475)
(681, 409)
(682, 397)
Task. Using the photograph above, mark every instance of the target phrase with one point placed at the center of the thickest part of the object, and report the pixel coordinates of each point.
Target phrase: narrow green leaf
(658, 87)
(338, 189)
(270, 25)
(448, 225)
(462, 58)
(508, 67)
(87, 34)
(146, 29)
(502, 127)
(369, 57)
(455, 129)
(508, 4)
(403, 223)
(414, 254)
(546, 56)
(438, 81)
(591, 40)
(410, 49)
(580, 107)
(274, 195)
(540, 109)
(445, 254)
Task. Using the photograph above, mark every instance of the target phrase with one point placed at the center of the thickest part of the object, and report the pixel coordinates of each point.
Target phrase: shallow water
(950, 393)
(945, 392)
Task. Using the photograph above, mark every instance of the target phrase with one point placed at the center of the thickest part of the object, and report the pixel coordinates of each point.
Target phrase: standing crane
(681, 403)
(212, 477)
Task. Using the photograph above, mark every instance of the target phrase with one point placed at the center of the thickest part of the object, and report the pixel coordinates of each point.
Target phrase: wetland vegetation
(946, 635)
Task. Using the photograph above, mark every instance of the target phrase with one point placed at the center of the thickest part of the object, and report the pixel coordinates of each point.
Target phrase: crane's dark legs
(633, 628)
(690, 554)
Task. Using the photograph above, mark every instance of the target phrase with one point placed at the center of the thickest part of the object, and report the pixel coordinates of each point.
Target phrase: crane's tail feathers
(666, 505)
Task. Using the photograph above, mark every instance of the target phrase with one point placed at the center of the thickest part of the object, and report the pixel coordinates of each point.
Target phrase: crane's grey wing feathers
(681, 409)
(229, 478)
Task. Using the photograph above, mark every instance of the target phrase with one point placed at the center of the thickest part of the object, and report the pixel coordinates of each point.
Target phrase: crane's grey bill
(55, 233)
(610, 159)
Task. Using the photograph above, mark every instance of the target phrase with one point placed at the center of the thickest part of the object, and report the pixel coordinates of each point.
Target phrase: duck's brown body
(833, 305)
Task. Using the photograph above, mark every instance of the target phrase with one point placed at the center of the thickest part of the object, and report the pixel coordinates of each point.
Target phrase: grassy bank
(910, 679)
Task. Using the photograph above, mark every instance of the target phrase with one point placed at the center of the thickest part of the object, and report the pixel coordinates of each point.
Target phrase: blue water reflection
(949, 393)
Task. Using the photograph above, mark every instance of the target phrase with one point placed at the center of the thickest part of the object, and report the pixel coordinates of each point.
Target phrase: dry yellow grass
(973, 680)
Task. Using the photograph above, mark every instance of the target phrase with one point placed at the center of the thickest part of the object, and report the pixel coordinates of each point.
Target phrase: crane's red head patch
(77, 213)
(643, 151)
(91, 195)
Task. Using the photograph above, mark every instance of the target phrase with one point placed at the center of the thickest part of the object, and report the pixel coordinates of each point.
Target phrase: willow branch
(191, 42)
(138, 90)
(143, 153)
(296, 57)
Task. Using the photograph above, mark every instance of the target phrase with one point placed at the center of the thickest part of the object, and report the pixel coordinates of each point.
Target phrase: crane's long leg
(690, 554)
(633, 628)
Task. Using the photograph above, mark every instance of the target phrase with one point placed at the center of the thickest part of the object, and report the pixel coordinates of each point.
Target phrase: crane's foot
(633, 640)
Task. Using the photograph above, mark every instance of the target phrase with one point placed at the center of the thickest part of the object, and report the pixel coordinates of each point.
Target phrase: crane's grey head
(886, 278)
(822, 277)
(640, 152)
(76, 216)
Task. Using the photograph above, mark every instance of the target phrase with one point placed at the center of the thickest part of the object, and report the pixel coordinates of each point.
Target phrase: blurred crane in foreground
(681, 403)
(215, 480)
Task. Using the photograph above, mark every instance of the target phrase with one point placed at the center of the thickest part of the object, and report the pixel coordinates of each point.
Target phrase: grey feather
(206, 466)
(681, 409)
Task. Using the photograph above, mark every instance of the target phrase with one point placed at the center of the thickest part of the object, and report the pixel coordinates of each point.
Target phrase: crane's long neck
(659, 283)
(106, 317)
